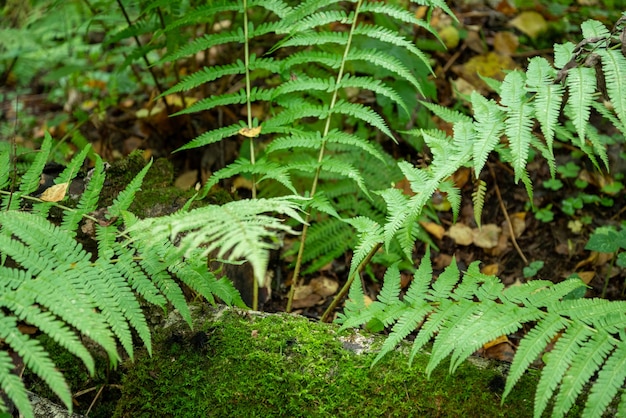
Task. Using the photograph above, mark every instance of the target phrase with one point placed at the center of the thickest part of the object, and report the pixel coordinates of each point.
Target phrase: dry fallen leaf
(55, 193)
(433, 229)
(586, 276)
(530, 23)
(501, 339)
(461, 234)
(487, 236)
(324, 286)
(505, 43)
(490, 269)
(186, 180)
(250, 132)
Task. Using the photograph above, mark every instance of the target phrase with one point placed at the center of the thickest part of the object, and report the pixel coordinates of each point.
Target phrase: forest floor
(550, 235)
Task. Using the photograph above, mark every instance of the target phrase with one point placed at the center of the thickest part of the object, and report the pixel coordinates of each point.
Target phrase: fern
(47, 277)
(463, 313)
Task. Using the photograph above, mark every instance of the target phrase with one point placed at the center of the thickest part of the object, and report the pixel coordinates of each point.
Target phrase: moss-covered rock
(236, 363)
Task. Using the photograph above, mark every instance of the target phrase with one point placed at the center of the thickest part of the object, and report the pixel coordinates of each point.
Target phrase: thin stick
(344, 290)
(506, 215)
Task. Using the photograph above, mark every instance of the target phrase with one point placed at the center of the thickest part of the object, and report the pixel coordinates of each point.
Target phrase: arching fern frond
(463, 313)
(518, 124)
(236, 230)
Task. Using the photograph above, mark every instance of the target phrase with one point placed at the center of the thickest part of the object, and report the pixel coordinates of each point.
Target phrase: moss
(288, 366)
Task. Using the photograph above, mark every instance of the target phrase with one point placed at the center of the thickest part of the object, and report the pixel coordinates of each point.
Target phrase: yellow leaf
(433, 229)
(55, 193)
(461, 234)
(530, 23)
(250, 132)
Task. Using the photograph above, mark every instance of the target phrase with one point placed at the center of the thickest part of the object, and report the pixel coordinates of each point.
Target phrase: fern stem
(346, 287)
(248, 88)
(146, 60)
(320, 158)
(255, 286)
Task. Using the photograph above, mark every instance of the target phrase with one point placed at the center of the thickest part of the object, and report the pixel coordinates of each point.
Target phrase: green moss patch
(281, 365)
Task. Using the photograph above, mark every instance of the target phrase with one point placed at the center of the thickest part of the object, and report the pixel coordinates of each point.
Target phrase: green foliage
(451, 310)
(464, 312)
(50, 281)
(317, 140)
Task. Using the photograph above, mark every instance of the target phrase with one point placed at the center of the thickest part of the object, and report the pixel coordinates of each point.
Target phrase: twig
(506, 215)
(344, 290)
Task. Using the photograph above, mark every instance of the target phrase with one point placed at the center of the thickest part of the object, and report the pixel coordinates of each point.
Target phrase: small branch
(346, 287)
(506, 215)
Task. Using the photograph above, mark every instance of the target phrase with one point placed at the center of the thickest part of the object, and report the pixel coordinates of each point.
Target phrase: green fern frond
(4, 170)
(378, 87)
(299, 139)
(304, 84)
(397, 13)
(239, 229)
(321, 18)
(548, 98)
(35, 358)
(320, 250)
(594, 29)
(363, 113)
(278, 7)
(390, 37)
(449, 115)
(560, 360)
(610, 380)
(306, 9)
(156, 264)
(88, 200)
(387, 61)
(581, 84)
(518, 124)
(202, 14)
(10, 383)
(585, 364)
(396, 208)
(206, 42)
(30, 179)
(344, 138)
(238, 97)
(208, 74)
(370, 234)
(263, 167)
(335, 164)
(453, 195)
(478, 199)
(213, 136)
(488, 126)
(455, 312)
(614, 69)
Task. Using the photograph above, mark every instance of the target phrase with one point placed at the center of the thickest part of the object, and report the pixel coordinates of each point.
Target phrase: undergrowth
(316, 161)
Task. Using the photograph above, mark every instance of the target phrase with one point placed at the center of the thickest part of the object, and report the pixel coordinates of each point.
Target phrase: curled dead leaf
(55, 193)
(250, 132)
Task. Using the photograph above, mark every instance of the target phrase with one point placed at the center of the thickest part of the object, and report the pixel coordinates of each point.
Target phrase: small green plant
(532, 269)
(611, 240)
